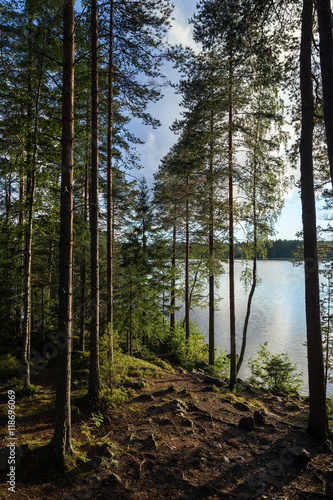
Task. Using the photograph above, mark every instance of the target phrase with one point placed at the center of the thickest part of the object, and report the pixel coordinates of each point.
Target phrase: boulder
(294, 455)
(247, 423)
(259, 417)
(135, 384)
(241, 406)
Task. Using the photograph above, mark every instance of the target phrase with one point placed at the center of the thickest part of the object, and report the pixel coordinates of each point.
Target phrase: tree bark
(326, 62)
(317, 423)
(233, 367)
(211, 248)
(30, 200)
(109, 177)
(187, 265)
(61, 441)
(173, 280)
(94, 378)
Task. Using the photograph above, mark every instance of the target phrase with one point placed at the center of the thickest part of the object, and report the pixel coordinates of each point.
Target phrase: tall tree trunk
(317, 423)
(83, 265)
(187, 264)
(61, 441)
(94, 378)
(109, 177)
(326, 62)
(233, 367)
(173, 280)
(30, 200)
(21, 236)
(211, 247)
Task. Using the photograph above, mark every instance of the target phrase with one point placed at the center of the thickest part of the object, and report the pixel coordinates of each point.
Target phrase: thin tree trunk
(173, 280)
(233, 367)
(30, 200)
(22, 245)
(109, 178)
(187, 266)
(94, 378)
(83, 267)
(326, 62)
(248, 312)
(61, 441)
(211, 327)
(317, 423)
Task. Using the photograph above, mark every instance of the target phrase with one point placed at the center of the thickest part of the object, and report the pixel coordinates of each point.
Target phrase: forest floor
(178, 437)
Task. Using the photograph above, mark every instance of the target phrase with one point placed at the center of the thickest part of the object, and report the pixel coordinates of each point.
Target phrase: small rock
(214, 381)
(136, 384)
(164, 421)
(187, 422)
(225, 459)
(146, 397)
(294, 455)
(241, 406)
(216, 444)
(96, 462)
(237, 467)
(292, 406)
(176, 405)
(259, 417)
(149, 443)
(247, 423)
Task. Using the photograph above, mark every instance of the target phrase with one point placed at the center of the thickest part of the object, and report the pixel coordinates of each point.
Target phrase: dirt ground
(180, 437)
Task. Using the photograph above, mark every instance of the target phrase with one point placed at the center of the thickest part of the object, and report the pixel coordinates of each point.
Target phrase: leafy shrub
(275, 372)
(118, 396)
(221, 367)
(8, 366)
(187, 352)
(124, 366)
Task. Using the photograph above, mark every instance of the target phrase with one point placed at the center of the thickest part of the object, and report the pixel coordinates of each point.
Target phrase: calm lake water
(278, 314)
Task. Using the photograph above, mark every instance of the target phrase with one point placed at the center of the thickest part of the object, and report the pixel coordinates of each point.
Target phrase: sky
(159, 141)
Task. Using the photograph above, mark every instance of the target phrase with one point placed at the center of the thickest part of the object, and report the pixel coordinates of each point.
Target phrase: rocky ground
(183, 437)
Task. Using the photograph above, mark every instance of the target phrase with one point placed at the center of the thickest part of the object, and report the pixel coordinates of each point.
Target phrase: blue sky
(158, 142)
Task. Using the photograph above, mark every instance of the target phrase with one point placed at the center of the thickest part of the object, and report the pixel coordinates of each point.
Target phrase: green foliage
(187, 353)
(8, 366)
(118, 396)
(222, 365)
(95, 422)
(22, 392)
(126, 366)
(330, 413)
(275, 372)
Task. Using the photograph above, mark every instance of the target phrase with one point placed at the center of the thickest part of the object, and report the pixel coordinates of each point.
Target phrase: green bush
(8, 366)
(187, 352)
(275, 372)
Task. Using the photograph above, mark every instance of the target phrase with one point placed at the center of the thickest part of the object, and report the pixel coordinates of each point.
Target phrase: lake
(278, 314)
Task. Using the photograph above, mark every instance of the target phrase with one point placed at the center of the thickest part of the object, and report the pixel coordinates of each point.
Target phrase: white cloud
(181, 31)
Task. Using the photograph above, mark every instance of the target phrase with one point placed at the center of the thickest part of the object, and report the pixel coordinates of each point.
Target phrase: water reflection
(278, 314)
